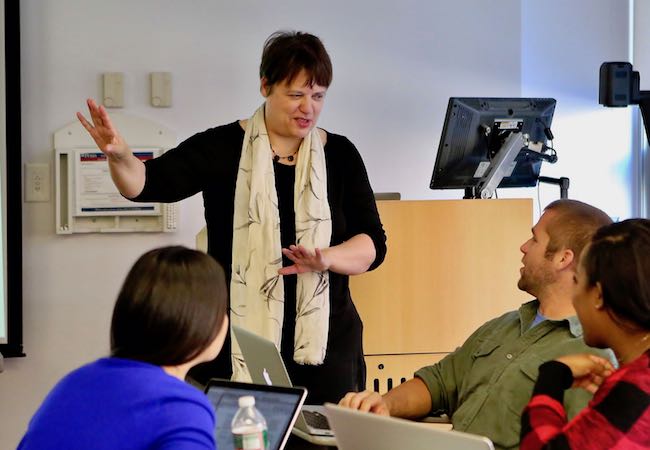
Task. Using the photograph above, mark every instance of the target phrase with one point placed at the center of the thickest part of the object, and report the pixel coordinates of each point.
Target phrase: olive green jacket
(485, 384)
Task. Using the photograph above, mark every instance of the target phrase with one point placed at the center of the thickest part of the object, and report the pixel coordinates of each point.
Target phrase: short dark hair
(619, 259)
(170, 308)
(573, 226)
(286, 53)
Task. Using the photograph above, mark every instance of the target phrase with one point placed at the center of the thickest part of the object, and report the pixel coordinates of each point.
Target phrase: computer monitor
(474, 138)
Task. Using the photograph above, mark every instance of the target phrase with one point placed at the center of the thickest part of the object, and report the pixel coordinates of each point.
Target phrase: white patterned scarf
(256, 288)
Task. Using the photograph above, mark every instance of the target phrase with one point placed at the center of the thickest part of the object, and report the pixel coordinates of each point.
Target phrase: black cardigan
(208, 162)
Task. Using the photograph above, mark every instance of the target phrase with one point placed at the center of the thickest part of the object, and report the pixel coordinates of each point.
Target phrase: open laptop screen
(279, 406)
(360, 430)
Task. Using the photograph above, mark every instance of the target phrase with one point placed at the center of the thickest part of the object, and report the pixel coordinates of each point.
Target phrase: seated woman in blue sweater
(169, 316)
(612, 300)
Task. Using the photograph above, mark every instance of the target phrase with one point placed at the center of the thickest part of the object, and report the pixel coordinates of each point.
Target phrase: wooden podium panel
(451, 266)
(384, 372)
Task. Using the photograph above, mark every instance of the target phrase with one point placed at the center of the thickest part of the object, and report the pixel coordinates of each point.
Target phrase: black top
(208, 162)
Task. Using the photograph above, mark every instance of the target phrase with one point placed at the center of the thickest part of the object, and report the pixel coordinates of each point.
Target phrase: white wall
(562, 50)
(641, 47)
(395, 65)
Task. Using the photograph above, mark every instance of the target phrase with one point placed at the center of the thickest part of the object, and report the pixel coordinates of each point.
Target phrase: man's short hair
(573, 225)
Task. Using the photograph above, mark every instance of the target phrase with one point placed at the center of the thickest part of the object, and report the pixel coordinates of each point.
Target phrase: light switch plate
(113, 90)
(37, 182)
(161, 89)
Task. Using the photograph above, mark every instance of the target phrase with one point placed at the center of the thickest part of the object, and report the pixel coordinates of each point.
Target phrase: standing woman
(289, 210)
(612, 300)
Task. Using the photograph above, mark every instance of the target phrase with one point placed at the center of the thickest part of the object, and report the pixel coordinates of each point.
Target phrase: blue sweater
(116, 403)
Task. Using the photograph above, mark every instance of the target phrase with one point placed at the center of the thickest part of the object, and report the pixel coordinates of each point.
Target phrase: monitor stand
(470, 192)
(563, 182)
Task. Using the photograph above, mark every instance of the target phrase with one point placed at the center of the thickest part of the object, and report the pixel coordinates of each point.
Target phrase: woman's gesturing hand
(105, 135)
(304, 260)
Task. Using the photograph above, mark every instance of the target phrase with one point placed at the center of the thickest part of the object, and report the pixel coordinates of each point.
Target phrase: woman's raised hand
(127, 171)
(105, 135)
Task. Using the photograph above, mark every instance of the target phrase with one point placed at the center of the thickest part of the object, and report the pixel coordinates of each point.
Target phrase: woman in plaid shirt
(612, 300)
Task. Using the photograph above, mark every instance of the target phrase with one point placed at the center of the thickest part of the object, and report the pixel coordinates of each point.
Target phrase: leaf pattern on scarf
(239, 273)
(310, 183)
(302, 342)
(237, 312)
(310, 225)
(268, 290)
(321, 286)
(304, 345)
(238, 359)
(309, 312)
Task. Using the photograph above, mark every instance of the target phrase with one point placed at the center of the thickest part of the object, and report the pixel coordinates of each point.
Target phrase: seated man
(485, 384)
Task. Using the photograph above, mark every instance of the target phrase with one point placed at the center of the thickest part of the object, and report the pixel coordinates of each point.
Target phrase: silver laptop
(356, 430)
(266, 367)
(279, 405)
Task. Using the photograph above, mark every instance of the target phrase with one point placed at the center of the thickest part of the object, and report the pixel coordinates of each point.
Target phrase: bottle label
(251, 441)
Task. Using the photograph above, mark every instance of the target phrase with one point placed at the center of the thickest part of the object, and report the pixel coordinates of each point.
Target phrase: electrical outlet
(37, 182)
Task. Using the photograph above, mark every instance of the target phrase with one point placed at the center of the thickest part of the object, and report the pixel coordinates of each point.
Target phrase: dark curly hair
(619, 259)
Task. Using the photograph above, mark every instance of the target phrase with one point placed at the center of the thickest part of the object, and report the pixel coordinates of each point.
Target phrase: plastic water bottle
(248, 427)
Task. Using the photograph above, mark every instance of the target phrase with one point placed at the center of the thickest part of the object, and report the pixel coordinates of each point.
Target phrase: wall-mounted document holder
(87, 201)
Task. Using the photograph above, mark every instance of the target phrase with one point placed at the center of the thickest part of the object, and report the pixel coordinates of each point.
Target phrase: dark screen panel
(12, 226)
(475, 129)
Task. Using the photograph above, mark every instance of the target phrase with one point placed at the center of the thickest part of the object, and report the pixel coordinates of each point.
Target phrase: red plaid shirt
(618, 417)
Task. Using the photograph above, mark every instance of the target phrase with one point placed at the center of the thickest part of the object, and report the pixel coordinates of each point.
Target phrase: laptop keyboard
(316, 420)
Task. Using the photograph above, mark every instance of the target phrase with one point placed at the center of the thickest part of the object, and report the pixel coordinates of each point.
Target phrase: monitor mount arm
(563, 182)
(501, 165)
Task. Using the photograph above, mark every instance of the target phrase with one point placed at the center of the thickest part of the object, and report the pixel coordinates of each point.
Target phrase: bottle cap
(246, 401)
